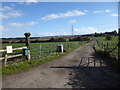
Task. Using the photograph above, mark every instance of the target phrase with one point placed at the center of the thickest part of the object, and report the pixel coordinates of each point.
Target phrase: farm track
(78, 69)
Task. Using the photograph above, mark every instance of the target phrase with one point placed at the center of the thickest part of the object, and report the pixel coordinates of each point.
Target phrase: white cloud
(85, 10)
(5, 8)
(102, 11)
(77, 31)
(63, 15)
(33, 1)
(12, 14)
(22, 24)
(85, 30)
(72, 21)
(116, 15)
(28, 2)
(107, 10)
(31, 23)
(9, 12)
(51, 33)
(1, 28)
(15, 24)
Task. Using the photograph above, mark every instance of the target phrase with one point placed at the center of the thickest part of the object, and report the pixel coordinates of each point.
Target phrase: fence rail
(6, 56)
(4, 50)
(42, 50)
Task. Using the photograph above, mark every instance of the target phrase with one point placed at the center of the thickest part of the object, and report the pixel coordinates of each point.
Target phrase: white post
(5, 60)
(61, 48)
(29, 57)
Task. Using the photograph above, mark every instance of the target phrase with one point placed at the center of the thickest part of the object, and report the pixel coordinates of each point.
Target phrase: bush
(57, 40)
(108, 37)
(79, 39)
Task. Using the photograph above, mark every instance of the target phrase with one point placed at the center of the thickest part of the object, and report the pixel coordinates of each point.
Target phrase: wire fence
(41, 50)
(112, 48)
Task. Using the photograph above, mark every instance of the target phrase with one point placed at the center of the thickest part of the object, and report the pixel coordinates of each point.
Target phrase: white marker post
(62, 48)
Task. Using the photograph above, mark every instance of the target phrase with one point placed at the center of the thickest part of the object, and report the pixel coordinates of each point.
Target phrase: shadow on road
(91, 72)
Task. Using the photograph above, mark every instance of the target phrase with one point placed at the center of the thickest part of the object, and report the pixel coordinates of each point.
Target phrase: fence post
(54, 47)
(97, 42)
(68, 45)
(119, 44)
(29, 56)
(40, 51)
(27, 36)
(107, 45)
(49, 47)
(5, 60)
(102, 46)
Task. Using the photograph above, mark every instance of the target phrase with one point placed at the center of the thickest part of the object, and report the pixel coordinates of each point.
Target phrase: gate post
(5, 63)
(119, 44)
(27, 36)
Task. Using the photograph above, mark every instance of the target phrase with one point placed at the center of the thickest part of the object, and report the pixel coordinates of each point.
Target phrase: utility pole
(72, 30)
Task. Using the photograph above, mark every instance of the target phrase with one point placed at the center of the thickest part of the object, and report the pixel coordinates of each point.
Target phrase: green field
(43, 49)
(111, 43)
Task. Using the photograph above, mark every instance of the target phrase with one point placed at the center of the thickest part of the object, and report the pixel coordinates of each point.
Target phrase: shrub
(108, 37)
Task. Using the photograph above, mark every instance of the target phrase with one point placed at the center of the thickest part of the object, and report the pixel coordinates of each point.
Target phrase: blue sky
(56, 18)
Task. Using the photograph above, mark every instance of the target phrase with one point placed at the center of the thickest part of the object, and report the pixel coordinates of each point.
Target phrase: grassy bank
(112, 61)
(28, 64)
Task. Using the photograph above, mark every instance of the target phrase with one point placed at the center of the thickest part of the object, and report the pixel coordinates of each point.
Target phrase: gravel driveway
(78, 69)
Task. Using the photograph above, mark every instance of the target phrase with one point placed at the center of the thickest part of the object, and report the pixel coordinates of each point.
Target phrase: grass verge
(112, 61)
(28, 64)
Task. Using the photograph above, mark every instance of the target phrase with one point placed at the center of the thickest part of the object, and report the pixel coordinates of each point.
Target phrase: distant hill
(45, 38)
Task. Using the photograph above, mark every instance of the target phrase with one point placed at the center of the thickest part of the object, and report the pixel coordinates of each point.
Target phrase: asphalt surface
(78, 69)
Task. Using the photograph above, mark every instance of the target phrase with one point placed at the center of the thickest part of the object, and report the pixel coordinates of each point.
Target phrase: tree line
(64, 39)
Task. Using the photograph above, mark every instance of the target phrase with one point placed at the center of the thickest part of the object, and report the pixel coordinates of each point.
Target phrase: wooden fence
(7, 56)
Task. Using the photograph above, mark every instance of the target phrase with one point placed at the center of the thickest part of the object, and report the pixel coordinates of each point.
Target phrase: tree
(61, 40)
(52, 40)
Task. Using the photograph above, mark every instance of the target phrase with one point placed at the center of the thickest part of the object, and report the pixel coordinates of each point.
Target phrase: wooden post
(97, 42)
(27, 35)
(5, 60)
(107, 45)
(40, 51)
(119, 44)
(49, 47)
(102, 46)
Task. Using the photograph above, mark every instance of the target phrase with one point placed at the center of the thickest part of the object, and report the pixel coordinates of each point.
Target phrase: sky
(57, 18)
